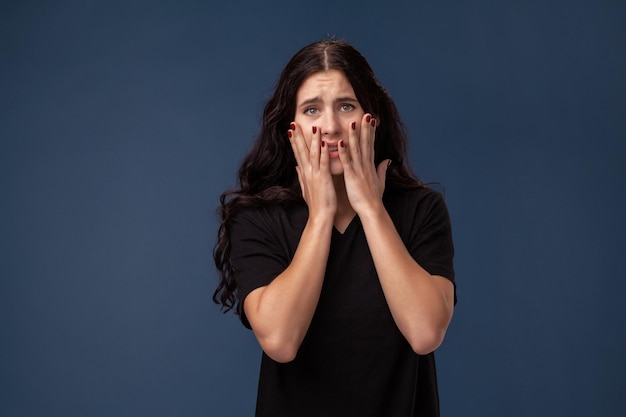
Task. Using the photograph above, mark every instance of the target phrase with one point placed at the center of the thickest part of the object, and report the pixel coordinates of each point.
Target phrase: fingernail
(389, 163)
(367, 119)
(292, 126)
(289, 134)
(373, 122)
(353, 125)
(341, 144)
(314, 129)
(323, 143)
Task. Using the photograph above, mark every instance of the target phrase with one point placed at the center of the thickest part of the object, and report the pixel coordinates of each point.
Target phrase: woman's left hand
(365, 183)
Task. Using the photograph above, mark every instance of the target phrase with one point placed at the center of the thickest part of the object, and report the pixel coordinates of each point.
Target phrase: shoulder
(269, 218)
(418, 200)
(416, 211)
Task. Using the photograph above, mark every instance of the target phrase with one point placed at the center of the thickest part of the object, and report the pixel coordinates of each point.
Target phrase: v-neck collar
(351, 225)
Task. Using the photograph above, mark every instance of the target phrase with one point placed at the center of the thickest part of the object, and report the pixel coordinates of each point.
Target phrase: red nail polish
(323, 143)
(314, 129)
(367, 119)
(292, 126)
(289, 134)
(341, 144)
(373, 122)
(353, 125)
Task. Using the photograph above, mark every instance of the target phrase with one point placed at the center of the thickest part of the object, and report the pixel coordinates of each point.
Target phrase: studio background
(122, 122)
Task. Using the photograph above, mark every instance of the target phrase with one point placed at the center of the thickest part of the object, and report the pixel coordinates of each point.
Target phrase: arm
(280, 313)
(421, 304)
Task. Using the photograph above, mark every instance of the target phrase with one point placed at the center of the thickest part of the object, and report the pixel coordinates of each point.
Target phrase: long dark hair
(267, 174)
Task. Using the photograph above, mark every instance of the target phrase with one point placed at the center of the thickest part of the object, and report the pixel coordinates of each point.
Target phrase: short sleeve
(258, 254)
(430, 242)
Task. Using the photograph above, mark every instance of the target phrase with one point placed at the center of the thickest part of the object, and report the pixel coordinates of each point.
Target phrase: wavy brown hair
(267, 174)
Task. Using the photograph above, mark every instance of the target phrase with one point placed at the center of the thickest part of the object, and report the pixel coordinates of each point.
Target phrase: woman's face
(327, 101)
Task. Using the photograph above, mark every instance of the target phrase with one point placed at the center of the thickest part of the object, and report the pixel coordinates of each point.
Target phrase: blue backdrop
(122, 122)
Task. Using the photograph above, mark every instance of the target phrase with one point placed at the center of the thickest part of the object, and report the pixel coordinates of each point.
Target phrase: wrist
(321, 220)
(373, 213)
(373, 209)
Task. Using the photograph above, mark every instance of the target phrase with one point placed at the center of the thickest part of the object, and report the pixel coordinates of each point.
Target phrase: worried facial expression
(327, 101)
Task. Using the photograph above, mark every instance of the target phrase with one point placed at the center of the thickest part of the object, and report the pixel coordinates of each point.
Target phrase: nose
(330, 125)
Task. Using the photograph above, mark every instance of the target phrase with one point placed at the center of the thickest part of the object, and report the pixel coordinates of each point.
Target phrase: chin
(336, 169)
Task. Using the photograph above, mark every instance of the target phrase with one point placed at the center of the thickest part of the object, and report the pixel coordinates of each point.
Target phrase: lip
(333, 149)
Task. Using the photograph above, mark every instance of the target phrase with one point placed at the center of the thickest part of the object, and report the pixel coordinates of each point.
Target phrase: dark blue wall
(121, 123)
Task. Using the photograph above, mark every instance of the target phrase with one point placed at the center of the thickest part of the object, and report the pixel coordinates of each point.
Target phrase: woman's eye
(347, 107)
(311, 111)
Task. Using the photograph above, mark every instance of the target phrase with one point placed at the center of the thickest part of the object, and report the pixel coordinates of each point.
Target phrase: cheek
(301, 121)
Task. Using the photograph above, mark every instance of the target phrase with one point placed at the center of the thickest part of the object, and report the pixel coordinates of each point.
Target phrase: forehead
(324, 83)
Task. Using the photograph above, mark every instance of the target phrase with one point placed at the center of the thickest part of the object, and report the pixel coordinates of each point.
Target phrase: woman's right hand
(280, 313)
(313, 171)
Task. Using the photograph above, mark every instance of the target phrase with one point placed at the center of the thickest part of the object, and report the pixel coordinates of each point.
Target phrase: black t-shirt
(353, 360)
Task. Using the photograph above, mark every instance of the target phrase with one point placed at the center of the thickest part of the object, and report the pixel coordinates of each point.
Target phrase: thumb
(381, 171)
(301, 182)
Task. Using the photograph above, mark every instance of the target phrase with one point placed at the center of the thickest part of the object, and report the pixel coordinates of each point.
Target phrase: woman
(336, 257)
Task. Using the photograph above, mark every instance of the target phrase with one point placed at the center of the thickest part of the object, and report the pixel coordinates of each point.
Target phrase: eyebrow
(318, 99)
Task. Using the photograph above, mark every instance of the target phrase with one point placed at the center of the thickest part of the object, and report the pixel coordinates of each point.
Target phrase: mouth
(332, 147)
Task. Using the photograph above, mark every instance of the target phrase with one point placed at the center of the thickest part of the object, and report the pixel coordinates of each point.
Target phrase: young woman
(332, 252)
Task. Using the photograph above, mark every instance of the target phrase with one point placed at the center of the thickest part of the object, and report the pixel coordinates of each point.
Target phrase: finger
(314, 153)
(294, 147)
(373, 126)
(364, 137)
(301, 151)
(345, 158)
(354, 145)
(324, 157)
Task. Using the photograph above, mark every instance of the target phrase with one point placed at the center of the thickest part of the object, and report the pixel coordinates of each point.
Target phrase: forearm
(281, 312)
(421, 304)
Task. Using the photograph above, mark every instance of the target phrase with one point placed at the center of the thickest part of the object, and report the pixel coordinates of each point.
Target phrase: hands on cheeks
(313, 172)
(364, 182)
